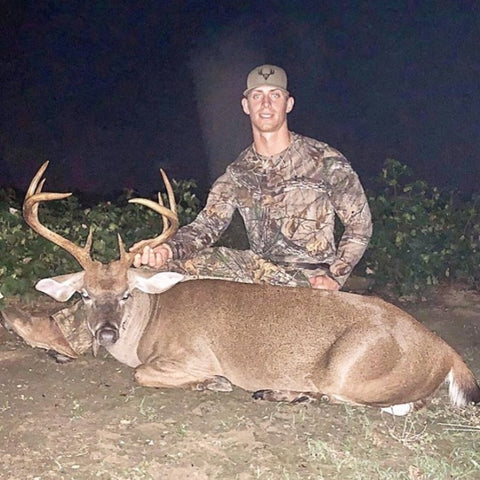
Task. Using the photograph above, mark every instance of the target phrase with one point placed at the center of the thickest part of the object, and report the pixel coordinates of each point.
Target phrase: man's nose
(266, 100)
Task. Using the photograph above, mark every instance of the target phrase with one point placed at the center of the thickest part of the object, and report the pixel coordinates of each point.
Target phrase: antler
(169, 217)
(30, 213)
(35, 195)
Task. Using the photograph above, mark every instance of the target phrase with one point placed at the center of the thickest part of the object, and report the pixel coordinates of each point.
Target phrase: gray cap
(266, 75)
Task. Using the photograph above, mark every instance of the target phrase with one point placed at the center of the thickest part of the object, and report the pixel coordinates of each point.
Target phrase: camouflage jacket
(288, 203)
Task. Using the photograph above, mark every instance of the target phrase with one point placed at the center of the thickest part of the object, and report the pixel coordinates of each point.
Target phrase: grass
(415, 447)
(150, 413)
(127, 432)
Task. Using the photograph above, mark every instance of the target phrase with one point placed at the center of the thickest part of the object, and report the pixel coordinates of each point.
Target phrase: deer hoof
(285, 396)
(301, 399)
(58, 357)
(215, 384)
(270, 396)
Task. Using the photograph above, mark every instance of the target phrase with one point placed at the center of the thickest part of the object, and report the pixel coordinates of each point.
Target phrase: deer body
(350, 348)
(281, 343)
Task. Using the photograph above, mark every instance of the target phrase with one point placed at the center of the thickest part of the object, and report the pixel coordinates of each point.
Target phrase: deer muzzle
(106, 335)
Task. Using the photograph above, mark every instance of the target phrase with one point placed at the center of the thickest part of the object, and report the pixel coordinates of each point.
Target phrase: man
(287, 188)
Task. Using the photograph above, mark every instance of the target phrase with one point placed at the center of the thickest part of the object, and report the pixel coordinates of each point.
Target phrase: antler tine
(165, 221)
(33, 198)
(170, 194)
(125, 256)
(32, 188)
(169, 217)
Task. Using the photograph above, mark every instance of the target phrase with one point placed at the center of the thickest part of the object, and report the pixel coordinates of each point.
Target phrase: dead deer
(282, 343)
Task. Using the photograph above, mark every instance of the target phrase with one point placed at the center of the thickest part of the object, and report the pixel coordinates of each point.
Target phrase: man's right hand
(153, 257)
(324, 282)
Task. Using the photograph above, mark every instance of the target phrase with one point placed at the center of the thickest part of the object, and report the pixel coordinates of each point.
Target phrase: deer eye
(126, 296)
(85, 295)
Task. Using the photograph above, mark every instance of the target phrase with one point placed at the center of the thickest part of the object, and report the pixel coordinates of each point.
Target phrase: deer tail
(463, 388)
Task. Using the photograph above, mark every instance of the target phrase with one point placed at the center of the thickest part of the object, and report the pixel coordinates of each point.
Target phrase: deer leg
(215, 384)
(288, 396)
(168, 375)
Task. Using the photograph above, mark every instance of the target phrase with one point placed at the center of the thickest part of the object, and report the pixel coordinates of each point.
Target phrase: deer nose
(107, 335)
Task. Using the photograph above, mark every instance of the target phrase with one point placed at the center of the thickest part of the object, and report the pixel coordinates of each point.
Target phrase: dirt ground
(88, 420)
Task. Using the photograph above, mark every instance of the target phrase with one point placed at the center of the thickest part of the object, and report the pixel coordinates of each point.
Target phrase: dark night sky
(110, 91)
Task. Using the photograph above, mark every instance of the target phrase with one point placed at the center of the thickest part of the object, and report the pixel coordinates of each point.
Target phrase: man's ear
(246, 110)
(290, 104)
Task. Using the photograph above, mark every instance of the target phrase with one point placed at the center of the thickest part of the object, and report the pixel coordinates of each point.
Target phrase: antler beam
(32, 200)
(169, 217)
(35, 196)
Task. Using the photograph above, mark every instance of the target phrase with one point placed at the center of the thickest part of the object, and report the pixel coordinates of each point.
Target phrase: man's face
(267, 108)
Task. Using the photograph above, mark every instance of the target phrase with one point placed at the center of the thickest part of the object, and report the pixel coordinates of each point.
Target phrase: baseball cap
(269, 75)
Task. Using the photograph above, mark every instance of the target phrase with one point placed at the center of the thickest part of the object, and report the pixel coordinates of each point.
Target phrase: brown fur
(350, 348)
(293, 342)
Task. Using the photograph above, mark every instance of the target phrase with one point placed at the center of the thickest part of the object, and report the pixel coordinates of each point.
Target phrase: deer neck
(134, 321)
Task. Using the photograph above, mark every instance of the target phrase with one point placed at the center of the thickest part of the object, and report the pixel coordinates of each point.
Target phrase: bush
(26, 257)
(421, 236)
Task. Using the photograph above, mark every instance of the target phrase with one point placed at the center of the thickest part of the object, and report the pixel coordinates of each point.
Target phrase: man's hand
(153, 257)
(324, 282)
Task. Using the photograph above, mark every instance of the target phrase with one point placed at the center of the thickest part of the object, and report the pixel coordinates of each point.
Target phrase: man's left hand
(324, 282)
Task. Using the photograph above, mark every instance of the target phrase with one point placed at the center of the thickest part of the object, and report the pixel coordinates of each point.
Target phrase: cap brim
(245, 93)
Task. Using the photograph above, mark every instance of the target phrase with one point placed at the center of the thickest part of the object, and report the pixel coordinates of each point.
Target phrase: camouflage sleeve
(351, 206)
(210, 223)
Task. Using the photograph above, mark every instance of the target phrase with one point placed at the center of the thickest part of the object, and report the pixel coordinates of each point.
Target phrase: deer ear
(62, 287)
(149, 282)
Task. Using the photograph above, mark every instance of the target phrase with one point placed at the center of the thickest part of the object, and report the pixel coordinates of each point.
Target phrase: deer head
(105, 288)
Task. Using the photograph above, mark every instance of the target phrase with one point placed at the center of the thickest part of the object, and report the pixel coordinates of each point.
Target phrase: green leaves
(26, 257)
(421, 236)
